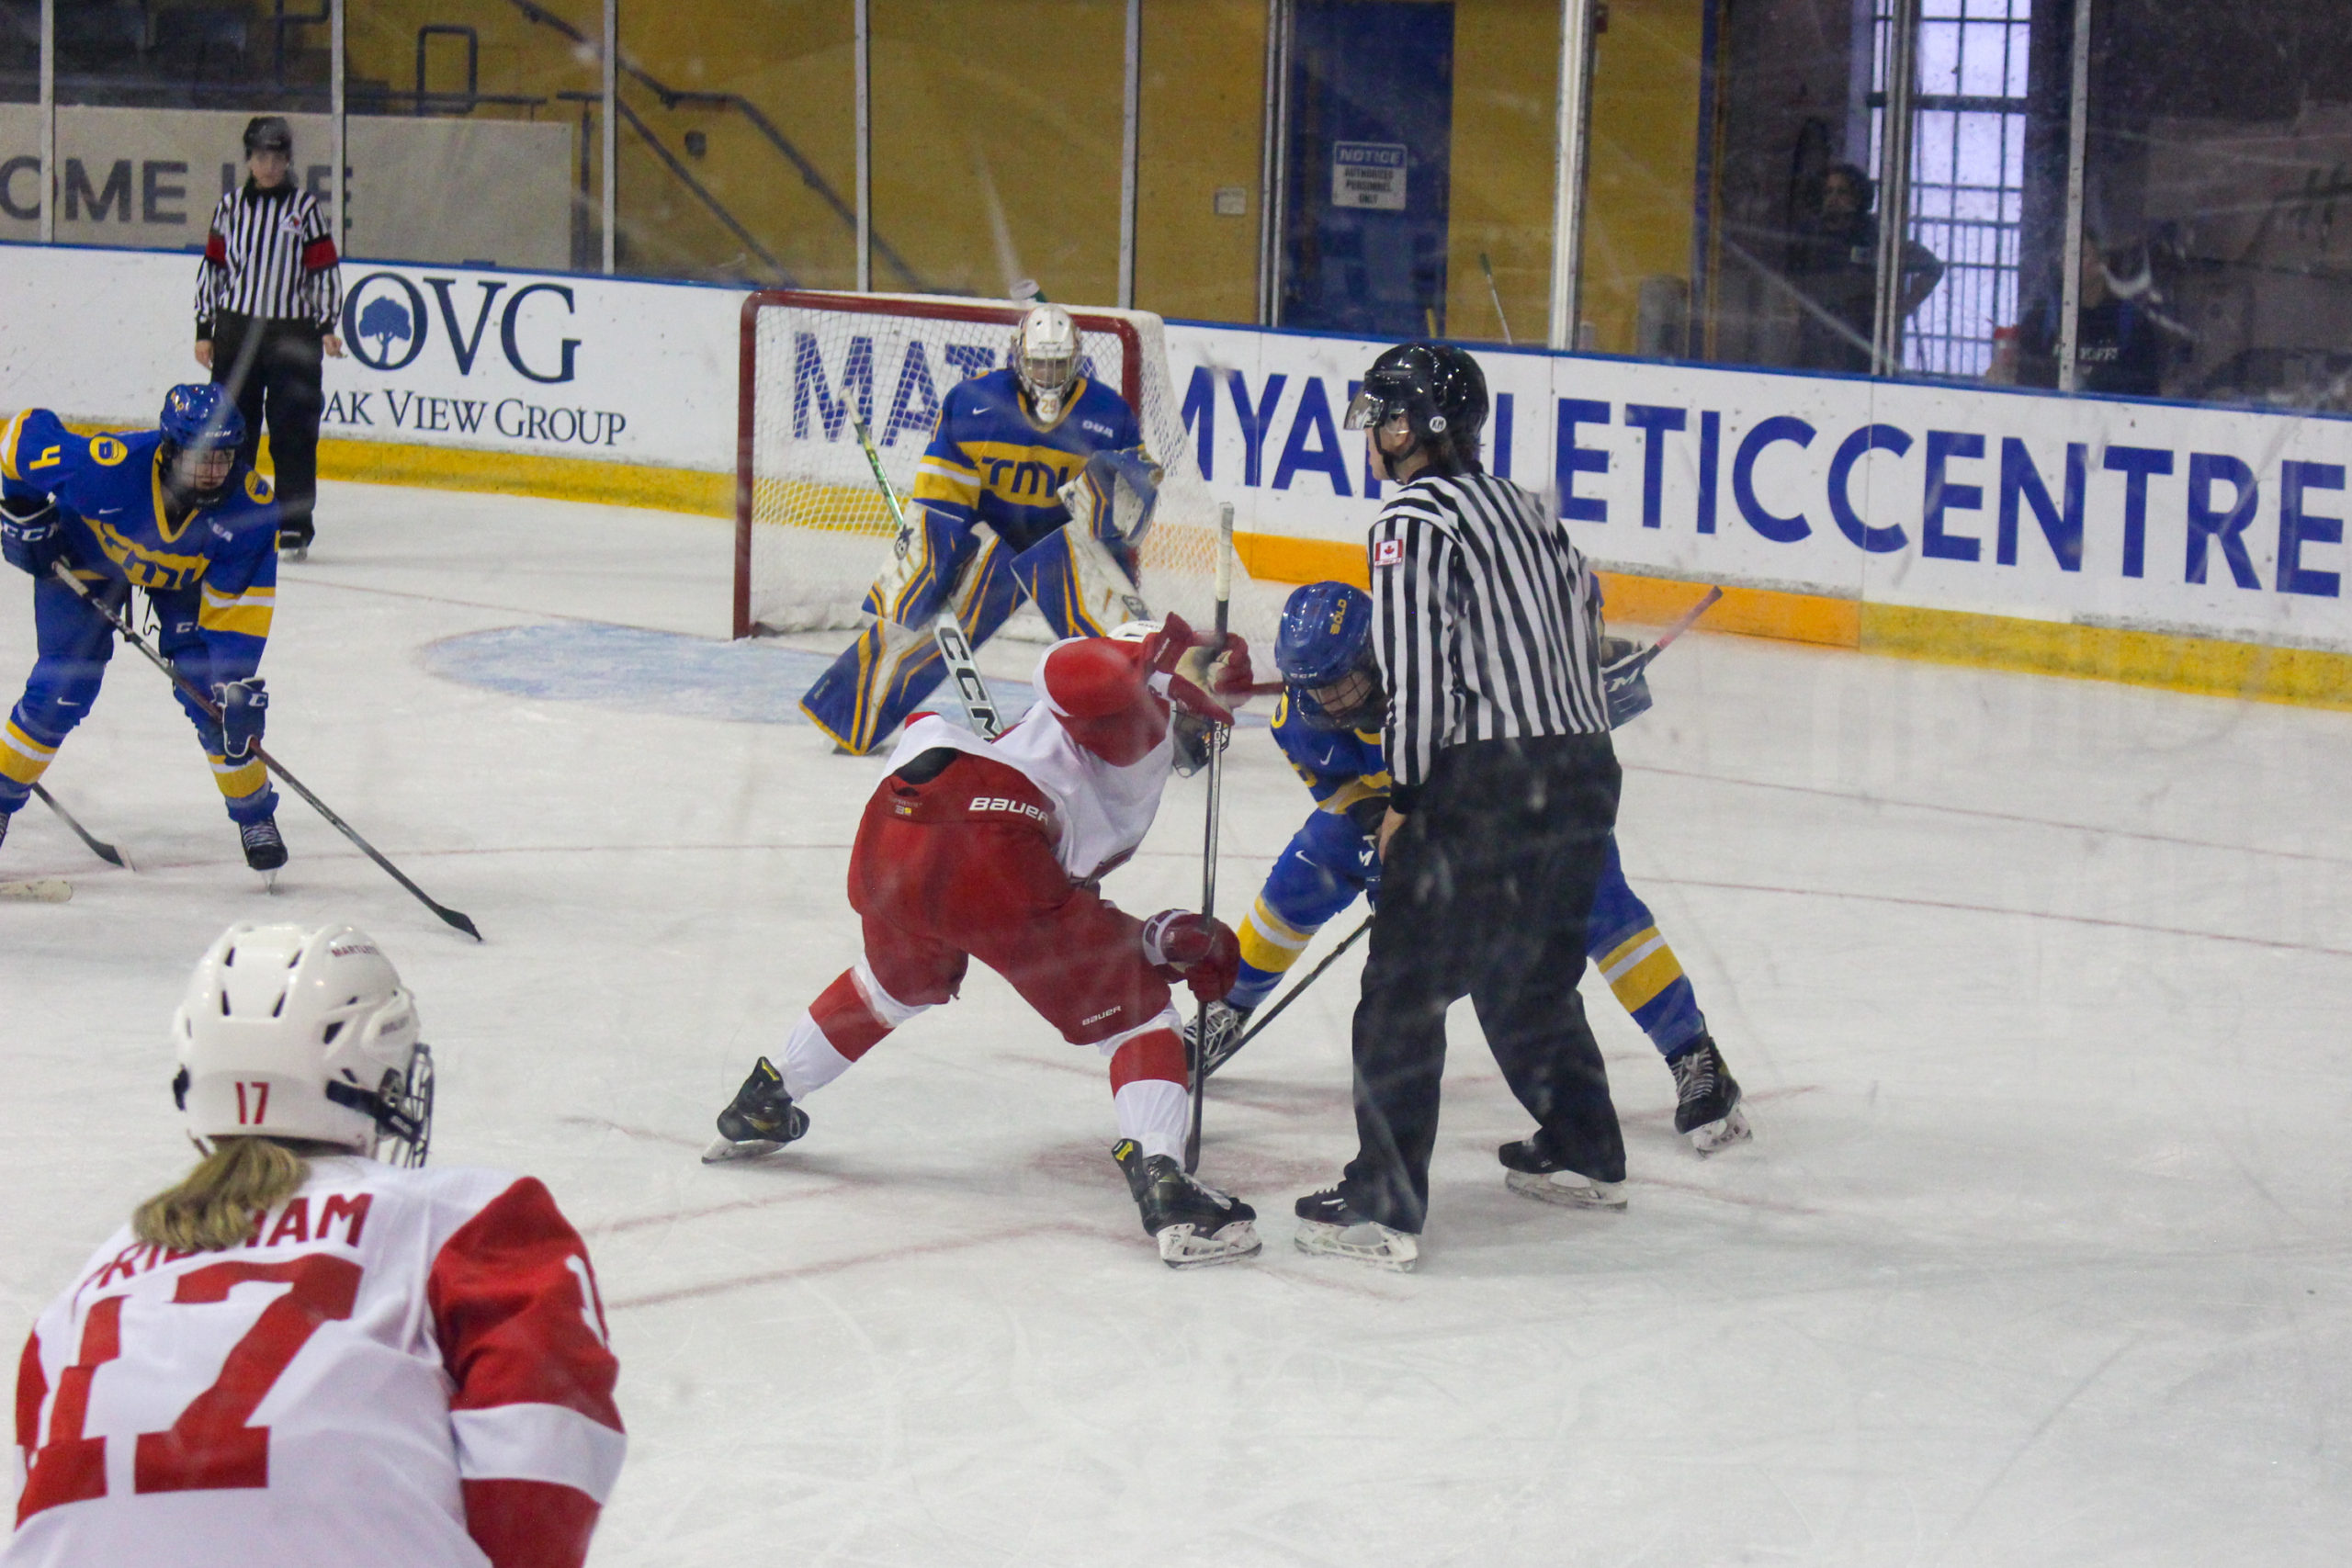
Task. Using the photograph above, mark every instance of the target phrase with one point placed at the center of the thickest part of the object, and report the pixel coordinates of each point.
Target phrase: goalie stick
(979, 709)
(211, 709)
(96, 845)
(1193, 1058)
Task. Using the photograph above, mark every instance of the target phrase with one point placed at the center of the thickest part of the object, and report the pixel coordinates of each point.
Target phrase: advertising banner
(551, 364)
(2097, 512)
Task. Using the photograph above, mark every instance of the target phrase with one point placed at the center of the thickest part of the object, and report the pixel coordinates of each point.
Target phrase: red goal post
(812, 530)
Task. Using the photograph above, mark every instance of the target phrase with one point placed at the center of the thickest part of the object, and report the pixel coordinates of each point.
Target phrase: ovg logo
(382, 309)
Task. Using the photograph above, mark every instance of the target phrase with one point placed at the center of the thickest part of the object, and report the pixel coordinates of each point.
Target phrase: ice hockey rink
(2036, 986)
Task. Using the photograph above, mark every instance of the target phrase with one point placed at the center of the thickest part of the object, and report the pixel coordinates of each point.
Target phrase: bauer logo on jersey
(1388, 552)
(999, 803)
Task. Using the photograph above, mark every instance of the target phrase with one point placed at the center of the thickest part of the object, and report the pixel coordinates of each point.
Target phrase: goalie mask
(1045, 360)
(288, 1034)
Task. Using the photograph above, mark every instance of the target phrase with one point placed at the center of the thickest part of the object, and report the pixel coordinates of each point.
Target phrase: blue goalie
(173, 513)
(1035, 486)
(1329, 726)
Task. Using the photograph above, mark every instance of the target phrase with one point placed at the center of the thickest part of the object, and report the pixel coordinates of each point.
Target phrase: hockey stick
(1208, 849)
(97, 846)
(1292, 994)
(41, 891)
(1689, 618)
(979, 709)
(121, 623)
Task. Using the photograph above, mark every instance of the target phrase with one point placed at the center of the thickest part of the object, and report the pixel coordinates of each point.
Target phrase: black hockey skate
(1707, 1107)
(760, 1119)
(1532, 1173)
(264, 845)
(1226, 1027)
(1194, 1222)
(1325, 1225)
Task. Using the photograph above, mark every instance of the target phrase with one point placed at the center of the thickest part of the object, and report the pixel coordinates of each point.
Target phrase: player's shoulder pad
(35, 446)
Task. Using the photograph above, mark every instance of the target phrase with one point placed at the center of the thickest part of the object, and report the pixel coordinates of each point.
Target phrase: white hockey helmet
(290, 1033)
(1044, 359)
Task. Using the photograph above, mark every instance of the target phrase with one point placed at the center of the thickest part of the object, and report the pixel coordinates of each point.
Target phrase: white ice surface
(2037, 987)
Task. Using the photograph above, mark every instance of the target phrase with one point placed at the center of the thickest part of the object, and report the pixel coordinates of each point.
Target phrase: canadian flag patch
(1388, 552)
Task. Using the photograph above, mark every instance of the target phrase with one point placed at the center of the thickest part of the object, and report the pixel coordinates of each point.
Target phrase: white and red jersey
(403, 1367)
(1101, 813)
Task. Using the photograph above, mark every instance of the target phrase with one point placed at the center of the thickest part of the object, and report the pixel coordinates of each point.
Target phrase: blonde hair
(219, 1202)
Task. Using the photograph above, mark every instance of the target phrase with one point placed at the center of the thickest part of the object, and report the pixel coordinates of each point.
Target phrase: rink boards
(2158, 543)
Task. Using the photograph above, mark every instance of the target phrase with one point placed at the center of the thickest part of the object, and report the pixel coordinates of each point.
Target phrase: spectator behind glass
(1833, 263)
(2120, 343)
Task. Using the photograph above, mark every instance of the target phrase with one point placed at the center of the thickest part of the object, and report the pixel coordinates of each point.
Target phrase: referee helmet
(1439, 389)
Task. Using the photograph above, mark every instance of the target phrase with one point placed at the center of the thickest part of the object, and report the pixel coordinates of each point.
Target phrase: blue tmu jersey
(989, 463)
(110, 495)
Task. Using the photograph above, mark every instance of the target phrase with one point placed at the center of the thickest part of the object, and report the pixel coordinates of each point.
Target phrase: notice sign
(1368, 174)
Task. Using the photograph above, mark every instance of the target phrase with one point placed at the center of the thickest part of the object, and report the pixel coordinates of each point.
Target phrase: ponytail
(218, 1204)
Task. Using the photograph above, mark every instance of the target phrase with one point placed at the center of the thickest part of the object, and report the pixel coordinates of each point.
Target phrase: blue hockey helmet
(199, 419)
(1326, 632)
(198, 415)
(1325, 639)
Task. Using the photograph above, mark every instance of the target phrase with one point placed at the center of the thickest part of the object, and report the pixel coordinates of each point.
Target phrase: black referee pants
(1486, 892)
(272, 367)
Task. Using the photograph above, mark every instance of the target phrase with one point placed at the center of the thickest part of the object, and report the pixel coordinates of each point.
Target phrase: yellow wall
(1010, 109)
(1644, 159)
(1201, 126)
(1019, 99)
(1505, 83)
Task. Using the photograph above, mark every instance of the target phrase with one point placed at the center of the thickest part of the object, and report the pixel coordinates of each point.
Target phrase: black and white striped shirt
(270, 254)
(1486, 620)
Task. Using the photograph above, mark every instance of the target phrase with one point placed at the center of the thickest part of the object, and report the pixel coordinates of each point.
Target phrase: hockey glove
(1224, 672)
(30, 534)
(1200, 949)
(1624, 680)
(244, 709)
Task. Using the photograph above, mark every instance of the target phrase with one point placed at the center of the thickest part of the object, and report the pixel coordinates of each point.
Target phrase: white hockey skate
(1327, 1225)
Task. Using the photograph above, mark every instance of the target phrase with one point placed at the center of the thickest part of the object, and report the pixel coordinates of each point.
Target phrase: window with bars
(1967, 170)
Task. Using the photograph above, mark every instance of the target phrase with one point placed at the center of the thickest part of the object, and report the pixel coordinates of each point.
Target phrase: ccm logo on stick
(999, 803)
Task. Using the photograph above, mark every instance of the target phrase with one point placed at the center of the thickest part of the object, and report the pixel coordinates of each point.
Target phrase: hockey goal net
(812, 531)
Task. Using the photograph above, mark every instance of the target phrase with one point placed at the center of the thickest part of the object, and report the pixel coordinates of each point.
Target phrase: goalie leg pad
(929, 560)
(892, 667)
(1079, 585)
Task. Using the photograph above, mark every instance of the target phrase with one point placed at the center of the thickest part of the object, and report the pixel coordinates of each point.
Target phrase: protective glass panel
(998, 133)
(1415, 168)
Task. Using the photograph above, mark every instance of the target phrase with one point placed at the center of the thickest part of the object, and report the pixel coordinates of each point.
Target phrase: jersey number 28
(209, 1448)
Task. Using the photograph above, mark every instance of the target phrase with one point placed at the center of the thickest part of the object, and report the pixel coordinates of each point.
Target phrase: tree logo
(381, 309)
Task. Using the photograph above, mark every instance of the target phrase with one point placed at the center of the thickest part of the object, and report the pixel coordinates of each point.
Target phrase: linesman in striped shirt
(1486, 626)
(266, 298)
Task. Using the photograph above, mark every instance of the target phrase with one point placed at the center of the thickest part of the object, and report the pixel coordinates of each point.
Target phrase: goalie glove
(31, 537)
(1200, 949)
(244, 712)
(1624, 680)
(1112, 497)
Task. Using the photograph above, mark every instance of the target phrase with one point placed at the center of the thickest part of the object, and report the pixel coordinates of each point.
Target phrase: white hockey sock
(1155, 1114)
(810, 1060)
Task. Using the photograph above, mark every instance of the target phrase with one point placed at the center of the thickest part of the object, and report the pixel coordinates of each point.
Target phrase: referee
(1487, 624)
(266, 298)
